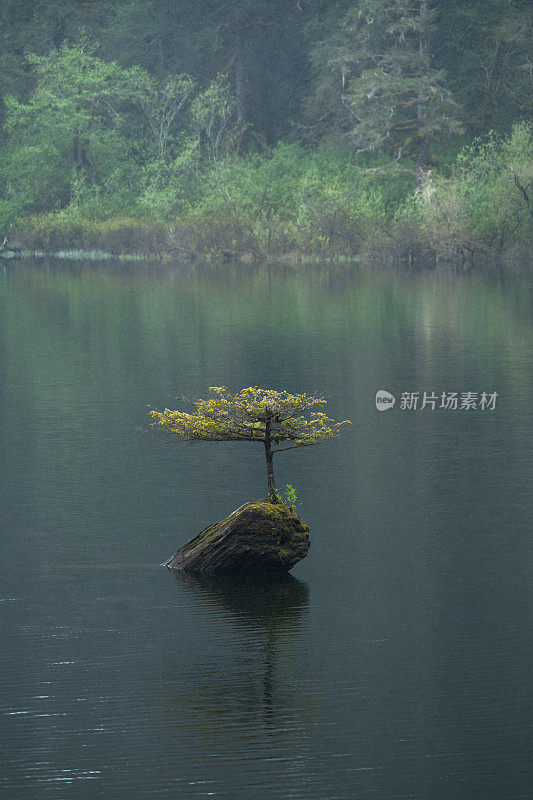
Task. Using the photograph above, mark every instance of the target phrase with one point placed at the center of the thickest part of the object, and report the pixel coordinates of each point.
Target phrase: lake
(393, 662)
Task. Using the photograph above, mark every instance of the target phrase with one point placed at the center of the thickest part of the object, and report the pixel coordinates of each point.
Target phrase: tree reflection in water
(248, 672)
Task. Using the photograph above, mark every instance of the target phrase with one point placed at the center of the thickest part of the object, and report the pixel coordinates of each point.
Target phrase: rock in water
(258, 536)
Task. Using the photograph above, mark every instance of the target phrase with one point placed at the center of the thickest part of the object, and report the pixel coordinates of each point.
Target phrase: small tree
(253, 415)
(161, 102)
(215, 119)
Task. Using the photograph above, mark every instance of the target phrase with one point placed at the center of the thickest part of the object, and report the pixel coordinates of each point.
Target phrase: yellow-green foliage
(116, 235)
(486, 201)
(251, 415)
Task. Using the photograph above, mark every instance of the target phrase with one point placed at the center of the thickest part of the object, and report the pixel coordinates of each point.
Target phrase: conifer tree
(253, 415)
(393, 98)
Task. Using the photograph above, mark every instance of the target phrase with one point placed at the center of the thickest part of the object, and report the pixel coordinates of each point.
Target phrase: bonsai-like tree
(253, 415)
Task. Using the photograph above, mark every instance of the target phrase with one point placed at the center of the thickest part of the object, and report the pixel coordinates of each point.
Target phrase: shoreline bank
(135, 239)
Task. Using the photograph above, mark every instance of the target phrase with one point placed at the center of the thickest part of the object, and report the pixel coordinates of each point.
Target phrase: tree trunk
(423, 146)
(240, 90)
(80, 146)
(240, 80)
(422, 163)
(270, 465)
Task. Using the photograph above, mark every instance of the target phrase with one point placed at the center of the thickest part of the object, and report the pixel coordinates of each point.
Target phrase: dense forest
(267, 128)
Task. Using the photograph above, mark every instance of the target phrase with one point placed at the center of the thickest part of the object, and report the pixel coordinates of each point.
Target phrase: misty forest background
(268, 128)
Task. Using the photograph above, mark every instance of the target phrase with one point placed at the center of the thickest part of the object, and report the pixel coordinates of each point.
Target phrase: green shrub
(116, 235)
(486, 202)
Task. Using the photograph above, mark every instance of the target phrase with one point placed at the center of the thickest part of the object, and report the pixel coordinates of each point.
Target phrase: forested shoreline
(268, 130)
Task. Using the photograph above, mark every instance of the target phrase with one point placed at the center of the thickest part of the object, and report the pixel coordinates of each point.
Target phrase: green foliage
(290, 500)
(161, 102)
(485, 47)
(486, 201)
(214, 119)
(66, 230)
(68, 139)
(389, 94)
(312, 200)
(291, 497)
(267, 416)
(105, 129)
(168, 186)
(70, 143)
(252, 415)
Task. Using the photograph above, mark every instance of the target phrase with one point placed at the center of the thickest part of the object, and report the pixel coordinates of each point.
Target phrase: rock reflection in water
(252, 678)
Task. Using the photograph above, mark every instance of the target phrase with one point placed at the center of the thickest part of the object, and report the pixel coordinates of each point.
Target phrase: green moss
(213, 530)
(285, 553)
(258, 516)
(258, 533)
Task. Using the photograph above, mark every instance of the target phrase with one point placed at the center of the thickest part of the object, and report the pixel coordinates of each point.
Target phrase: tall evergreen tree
(259, 44)
(392, 97)
(486, 46)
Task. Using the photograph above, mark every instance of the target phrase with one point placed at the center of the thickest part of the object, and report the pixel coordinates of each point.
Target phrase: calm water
(393, 663)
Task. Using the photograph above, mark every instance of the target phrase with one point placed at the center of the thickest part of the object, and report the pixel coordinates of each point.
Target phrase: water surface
(393, 663)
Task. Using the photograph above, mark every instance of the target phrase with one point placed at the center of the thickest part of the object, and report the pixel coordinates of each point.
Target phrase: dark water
(394, 663)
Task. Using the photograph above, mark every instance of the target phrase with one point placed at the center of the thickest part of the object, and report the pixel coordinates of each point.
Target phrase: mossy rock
(258, 536)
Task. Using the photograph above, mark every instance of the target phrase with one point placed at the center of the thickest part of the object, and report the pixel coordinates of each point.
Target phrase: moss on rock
(258, 536)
